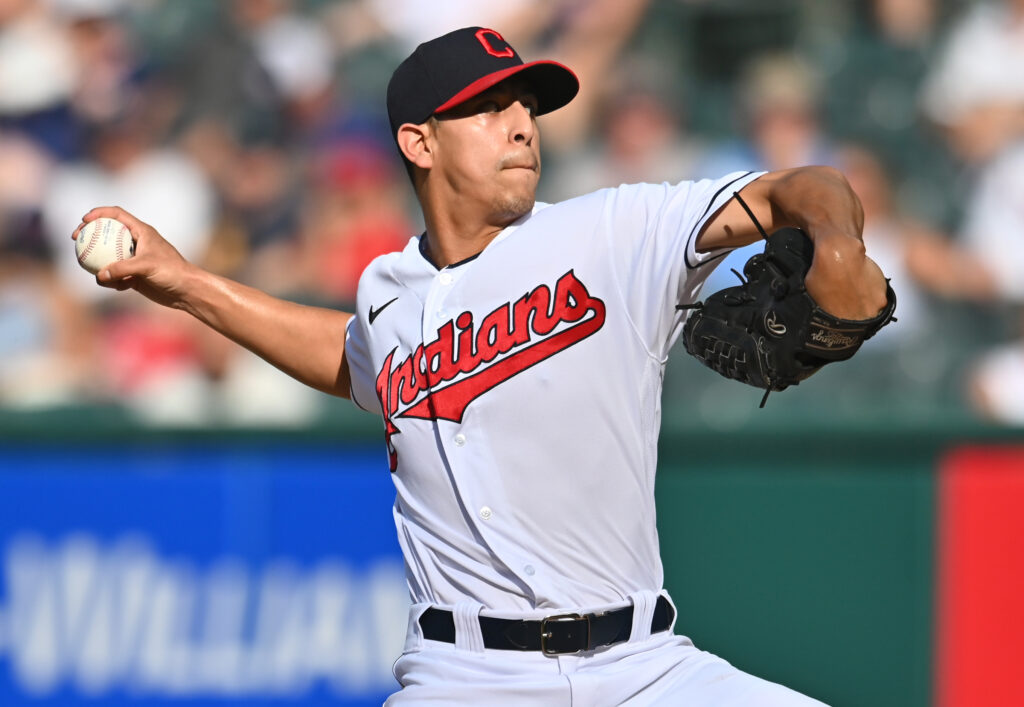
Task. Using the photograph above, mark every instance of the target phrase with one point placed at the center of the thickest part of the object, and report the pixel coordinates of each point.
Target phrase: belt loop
(675, 611)
(414, 633)
(643, 615)
(467, 626)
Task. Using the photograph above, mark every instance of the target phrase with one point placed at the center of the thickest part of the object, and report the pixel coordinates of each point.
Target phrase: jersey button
(529, 570)
(460, 440)
(445, 278)
(485, 513)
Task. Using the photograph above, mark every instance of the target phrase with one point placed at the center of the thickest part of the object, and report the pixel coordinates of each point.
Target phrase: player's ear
(414, 142)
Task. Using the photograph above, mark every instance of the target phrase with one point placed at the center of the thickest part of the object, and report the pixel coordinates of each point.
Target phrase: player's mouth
(519, 163)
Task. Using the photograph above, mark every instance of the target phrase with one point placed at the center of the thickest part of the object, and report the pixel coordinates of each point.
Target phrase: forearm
(307, 343)
(842, 279)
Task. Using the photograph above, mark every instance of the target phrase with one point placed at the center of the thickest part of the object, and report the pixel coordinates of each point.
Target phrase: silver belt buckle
(561, 618)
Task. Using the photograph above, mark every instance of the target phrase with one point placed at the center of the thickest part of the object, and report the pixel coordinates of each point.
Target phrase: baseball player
(515, 351)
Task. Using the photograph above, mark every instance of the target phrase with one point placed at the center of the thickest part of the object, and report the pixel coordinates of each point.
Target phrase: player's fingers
(134, 225)
(118, 271)
(104, 279)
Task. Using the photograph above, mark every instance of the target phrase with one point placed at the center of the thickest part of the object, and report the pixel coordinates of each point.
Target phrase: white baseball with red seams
(102, 242)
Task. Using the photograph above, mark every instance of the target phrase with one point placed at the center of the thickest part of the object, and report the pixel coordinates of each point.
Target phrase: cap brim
(553, 84)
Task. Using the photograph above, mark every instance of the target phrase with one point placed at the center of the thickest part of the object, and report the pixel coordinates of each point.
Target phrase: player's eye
(488, 106)
(530, 104)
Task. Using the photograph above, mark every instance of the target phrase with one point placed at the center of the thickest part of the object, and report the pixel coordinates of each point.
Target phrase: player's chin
(514, 206)
(520, 185)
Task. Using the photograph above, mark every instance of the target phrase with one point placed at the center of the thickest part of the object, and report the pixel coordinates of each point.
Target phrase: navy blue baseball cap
(443, 72)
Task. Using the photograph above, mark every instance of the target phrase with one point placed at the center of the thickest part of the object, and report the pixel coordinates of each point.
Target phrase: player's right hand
(157, 270)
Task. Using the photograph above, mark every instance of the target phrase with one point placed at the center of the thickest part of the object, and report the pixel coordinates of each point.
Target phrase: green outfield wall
(805, 554)
(808, 563)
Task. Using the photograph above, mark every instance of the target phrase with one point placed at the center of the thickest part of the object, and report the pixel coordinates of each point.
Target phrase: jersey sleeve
(357, 352)
(652, 234)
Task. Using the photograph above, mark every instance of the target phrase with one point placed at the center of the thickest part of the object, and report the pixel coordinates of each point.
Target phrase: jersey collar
(505, 233)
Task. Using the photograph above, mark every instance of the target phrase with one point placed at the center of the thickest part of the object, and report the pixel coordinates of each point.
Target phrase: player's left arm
(842, 279)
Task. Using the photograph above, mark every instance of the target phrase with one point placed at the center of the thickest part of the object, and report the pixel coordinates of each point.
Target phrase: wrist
(197, 291)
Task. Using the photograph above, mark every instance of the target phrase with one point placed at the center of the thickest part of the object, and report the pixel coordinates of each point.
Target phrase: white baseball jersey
(521, 395)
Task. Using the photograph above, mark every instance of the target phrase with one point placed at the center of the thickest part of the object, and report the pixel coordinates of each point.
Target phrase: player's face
(488, 150)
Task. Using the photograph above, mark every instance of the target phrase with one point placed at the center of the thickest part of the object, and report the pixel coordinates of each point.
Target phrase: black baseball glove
(768, 331)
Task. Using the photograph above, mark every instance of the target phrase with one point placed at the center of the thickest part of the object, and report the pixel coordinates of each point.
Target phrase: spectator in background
(258, 94)
(354, 210)
(777, 103)
(127, 164)
(245, 133)
(875, 75)
(25, 167)
(107, 60)
(45, 334)
(47, 345)
(37, 127)
(975, 95)
(38, 73)
(589, 36)
(408, 22)
(976, 90)
(256, 187)
(297, 56)
(985, 264)
(126, 159)
(261, 178)
(157, 362)
(639, 136)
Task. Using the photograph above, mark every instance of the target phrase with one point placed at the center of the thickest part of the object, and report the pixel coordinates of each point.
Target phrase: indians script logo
(424, 385)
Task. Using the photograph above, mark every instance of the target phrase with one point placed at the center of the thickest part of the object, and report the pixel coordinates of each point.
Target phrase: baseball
(102, 242)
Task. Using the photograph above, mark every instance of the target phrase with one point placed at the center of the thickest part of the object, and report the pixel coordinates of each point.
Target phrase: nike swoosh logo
(374, 313)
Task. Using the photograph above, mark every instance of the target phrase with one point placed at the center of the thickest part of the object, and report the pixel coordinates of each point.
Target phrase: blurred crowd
(252, 134)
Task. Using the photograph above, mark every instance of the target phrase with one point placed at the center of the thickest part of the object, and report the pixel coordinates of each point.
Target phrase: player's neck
(454, 236)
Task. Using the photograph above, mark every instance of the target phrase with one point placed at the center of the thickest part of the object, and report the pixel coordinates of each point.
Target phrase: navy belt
(560, 634)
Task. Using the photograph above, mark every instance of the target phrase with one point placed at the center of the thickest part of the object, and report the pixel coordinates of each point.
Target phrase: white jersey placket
(462, 444)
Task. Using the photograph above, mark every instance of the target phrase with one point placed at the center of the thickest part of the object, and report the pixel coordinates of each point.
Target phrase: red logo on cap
(481, 36)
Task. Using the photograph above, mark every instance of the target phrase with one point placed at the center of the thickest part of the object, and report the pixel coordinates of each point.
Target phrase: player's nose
(522, 126)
